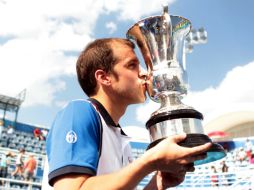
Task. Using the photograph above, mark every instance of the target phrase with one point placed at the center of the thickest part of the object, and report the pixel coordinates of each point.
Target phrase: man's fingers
(199, 157)
(190, 159)
(186, 168)
(179, 138)
(190, 167)
(198, 150)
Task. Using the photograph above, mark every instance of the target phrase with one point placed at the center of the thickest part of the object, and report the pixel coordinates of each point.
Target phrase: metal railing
(13, 184)
(240, 179)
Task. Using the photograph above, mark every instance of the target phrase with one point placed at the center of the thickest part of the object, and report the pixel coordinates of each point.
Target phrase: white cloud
(111, 26)
(137, 133)
(38, 33)
(135, 10)
(147, 108)
(43, 98)
(235, 93)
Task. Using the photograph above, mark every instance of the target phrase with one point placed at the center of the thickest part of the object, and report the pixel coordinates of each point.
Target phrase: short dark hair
(22, 150)
(97, 55)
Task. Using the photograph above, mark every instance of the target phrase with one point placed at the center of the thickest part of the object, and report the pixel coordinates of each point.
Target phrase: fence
(12, 184)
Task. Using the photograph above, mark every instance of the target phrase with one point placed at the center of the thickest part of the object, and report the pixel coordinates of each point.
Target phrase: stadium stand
(22, 137)
(240, 174)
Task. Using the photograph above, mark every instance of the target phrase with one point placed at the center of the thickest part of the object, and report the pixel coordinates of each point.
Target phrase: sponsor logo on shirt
(71, 137)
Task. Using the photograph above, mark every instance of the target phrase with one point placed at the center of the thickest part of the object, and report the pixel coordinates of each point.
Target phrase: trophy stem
(169, 100)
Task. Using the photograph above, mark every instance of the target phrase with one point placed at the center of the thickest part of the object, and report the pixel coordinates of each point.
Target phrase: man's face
(128, 78)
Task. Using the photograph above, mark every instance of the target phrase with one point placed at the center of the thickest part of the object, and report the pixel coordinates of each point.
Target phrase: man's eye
(132, 65)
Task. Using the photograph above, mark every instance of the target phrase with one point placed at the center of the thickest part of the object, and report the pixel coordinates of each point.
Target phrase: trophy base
(216, 151)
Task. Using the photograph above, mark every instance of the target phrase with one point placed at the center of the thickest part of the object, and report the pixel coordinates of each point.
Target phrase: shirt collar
(104, 113)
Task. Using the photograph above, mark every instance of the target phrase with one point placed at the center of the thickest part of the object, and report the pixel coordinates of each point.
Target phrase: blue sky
(40, 42)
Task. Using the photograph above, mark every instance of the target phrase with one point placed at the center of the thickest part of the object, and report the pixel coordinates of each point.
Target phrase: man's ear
(102, 77)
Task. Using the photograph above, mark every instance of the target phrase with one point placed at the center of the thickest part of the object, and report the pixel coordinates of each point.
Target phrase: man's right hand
(168, 156)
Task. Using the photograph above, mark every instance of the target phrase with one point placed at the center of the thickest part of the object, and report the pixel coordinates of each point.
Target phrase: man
(1, 128)
(248, 148)
(10, 132)
(29, 168)
(38, 134)
(19, 164)
(4, 165)
(87, 148)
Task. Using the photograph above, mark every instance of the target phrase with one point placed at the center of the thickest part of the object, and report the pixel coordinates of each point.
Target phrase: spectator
(242, 155)
(252, 159)
(224, 169)
(19, 164)
(5, 162)
(10, 131)
(29, 168)
(38, 134)
(214, 177)
(248, 148)
(1, 128)
(44, 133)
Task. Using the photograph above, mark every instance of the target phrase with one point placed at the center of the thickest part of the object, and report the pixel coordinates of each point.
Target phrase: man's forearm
(125, 179)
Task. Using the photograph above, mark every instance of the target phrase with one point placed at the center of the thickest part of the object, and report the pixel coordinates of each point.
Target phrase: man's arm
(167, 156)
(126, 178)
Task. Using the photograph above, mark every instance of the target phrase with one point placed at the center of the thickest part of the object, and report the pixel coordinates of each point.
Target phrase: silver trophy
(161, 40)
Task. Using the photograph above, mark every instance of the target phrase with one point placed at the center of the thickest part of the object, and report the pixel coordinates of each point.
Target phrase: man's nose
(143, 73)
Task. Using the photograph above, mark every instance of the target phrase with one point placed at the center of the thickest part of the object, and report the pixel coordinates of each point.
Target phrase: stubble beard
(138, 96)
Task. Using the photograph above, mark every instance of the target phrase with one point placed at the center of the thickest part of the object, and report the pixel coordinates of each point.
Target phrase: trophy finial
(165, 9)
(166, 14)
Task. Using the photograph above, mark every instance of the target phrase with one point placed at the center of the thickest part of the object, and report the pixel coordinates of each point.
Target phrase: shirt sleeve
(73, 143)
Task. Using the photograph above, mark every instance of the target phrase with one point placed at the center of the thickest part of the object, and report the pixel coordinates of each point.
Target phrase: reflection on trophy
(161, 40)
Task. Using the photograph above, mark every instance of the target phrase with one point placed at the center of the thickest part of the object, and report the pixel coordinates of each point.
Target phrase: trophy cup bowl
(161, 42)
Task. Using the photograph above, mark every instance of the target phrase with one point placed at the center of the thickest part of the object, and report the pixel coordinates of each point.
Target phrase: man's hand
(168, 156)
(165, 180)
(172, 161)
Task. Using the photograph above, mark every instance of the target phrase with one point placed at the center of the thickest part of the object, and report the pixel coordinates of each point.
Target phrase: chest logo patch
(71, 137)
